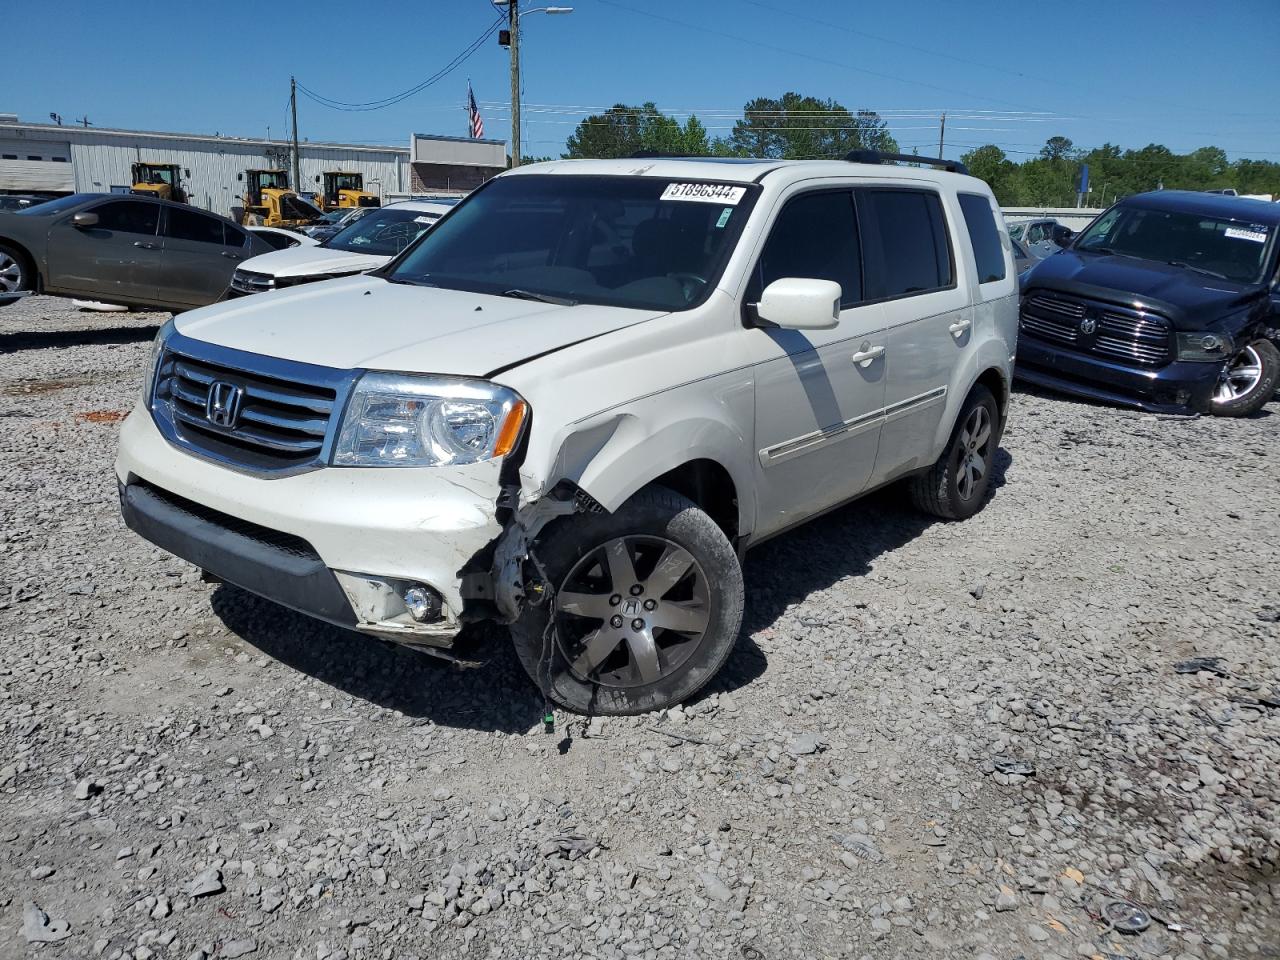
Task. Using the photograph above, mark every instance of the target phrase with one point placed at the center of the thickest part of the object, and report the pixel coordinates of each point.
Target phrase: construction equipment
(341, 190)
(269, 202)
(160, 180)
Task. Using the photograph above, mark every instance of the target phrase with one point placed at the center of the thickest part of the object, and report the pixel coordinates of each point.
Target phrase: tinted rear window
(985, 237)
(189, 225)
(906, 248)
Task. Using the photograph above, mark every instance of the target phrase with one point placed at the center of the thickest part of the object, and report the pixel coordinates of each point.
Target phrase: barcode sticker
(1239, 233)
(704, 192)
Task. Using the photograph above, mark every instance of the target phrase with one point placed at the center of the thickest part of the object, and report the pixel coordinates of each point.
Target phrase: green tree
(797, 127)
(1057, 148)
(990, 163)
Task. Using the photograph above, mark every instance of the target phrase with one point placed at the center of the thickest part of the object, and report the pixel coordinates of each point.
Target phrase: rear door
(819, 393)
(118, 259)
(198, 260)
(911, 269)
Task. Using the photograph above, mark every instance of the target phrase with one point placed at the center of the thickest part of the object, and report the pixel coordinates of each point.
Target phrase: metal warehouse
(45, 158)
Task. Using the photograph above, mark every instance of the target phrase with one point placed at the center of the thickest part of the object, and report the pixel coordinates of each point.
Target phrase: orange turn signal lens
(509, 435)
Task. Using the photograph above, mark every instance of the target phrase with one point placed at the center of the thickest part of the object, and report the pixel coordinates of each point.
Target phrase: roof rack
(659, 155)
(875, 156)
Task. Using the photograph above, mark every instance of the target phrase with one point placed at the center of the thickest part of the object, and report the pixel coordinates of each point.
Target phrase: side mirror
(317, 179)
(798, 303)
(186, 171)
(239, 176)
(85, 218)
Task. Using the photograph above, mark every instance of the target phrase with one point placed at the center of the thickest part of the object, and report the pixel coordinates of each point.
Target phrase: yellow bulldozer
(161, 180)
(341, 190)
(269, 201)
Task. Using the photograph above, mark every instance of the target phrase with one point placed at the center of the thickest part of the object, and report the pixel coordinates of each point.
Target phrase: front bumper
(1179, 387)
(340, 544)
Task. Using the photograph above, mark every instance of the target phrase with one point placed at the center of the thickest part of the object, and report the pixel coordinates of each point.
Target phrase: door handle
(144, 245)
(865, 356)
(959, 327)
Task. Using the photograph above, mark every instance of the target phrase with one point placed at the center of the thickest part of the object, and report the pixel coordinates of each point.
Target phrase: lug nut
(615, 622)
(637, 624)
(650, 604)
(615, 600)
(636, 590)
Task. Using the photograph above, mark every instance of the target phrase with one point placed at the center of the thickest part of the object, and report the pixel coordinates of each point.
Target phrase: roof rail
(875, 156)
(658, 155)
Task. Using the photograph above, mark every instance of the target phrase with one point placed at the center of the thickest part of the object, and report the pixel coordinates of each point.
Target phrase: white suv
(574, 404)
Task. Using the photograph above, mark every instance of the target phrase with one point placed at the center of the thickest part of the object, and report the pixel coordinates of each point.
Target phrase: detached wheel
(15, 274)
(1248, 381)
(955, 488)
(646, 607)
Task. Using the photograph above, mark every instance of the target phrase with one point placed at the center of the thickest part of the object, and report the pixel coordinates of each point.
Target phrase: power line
(440, 74)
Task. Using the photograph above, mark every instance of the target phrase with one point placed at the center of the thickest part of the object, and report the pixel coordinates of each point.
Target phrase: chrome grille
(1117, 333)
(248, 281)
(285, 410)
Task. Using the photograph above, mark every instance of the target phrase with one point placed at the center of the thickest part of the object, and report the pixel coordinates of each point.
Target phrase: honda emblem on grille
(222, 409)
(1088, 325)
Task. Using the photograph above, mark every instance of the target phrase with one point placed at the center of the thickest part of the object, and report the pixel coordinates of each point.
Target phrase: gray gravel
(935, 740)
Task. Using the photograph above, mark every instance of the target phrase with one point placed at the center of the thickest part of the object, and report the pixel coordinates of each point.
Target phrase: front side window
(644, 242)
(233, 236)
(1216, 246)
(128, 216)
(984, 236)
(906, 250)
(188, 225)
(815, 237)
(385, 232)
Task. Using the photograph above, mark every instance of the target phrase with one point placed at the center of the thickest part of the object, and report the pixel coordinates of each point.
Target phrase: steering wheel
(690, 284)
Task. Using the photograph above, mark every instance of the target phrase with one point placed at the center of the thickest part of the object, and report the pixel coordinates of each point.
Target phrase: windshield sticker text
(725, 214)
(1240, 233)
(704, 192)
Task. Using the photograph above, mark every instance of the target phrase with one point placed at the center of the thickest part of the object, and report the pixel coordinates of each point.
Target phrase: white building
(45, 158)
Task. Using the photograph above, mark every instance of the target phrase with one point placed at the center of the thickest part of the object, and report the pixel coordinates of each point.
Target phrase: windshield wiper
(519, 294)
(1211, 273)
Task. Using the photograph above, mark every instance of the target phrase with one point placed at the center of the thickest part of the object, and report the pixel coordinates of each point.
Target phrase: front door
(118, 259)
(819, 393)
(198, 261)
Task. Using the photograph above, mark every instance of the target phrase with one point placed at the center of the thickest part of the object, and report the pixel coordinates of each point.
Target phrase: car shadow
(487, 689)
(47, 339)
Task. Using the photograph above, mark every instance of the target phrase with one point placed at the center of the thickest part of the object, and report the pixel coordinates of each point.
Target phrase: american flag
(477, 122)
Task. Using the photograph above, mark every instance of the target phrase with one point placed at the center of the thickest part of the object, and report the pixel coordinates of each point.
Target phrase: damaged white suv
(576, 402)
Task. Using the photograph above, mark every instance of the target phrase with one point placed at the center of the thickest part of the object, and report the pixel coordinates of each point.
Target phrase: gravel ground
(935, 740)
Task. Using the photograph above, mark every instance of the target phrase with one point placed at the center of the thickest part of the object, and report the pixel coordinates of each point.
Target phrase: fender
(991, 354)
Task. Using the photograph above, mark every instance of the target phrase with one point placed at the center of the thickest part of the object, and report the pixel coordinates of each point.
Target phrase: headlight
(1205, 345)
(399, 420)
(153, 360)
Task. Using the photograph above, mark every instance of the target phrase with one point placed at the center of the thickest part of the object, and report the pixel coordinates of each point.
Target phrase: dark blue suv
(1165, 302)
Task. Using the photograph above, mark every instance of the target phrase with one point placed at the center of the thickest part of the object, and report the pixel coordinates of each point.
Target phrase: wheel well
(709, 485)
(28, 261)
(993, 381)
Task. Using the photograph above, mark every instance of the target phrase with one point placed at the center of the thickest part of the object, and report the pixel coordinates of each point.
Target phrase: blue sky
(1185, 73)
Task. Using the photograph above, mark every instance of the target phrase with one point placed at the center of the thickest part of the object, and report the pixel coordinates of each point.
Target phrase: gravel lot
(188, 771)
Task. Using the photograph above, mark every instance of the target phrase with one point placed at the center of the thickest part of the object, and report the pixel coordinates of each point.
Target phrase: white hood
(307, 261)
(368, 322)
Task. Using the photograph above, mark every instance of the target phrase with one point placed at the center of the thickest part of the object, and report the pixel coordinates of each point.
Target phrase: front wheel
(645, 607)
(15, 276)
(955, 487)
(1248, 381)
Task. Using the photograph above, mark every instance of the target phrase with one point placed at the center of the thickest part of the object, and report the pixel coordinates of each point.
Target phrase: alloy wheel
(10, 274)
(631, 611)
(975, 452)
(1240, 377)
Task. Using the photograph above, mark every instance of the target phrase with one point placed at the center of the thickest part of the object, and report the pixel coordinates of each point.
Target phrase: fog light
(423, 604)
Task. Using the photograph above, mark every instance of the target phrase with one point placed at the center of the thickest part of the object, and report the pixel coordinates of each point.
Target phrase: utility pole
(513, 24)
(942, 135)
(293, 111)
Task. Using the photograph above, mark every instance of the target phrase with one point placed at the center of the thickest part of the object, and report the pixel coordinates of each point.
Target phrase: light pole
(514, 15)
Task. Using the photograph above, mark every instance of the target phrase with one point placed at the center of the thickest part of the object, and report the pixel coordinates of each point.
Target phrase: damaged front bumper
(340, 544)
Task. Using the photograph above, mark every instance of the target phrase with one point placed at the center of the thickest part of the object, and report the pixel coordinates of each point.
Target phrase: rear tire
(659, 554)
(955, 488)
(16, 273)
(1248, 381)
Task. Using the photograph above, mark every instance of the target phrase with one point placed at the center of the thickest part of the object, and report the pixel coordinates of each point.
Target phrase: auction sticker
(704, 192)
(1256, 233)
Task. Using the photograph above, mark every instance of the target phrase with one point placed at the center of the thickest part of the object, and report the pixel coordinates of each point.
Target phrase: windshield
(347, 181)
(1229, 249)
(57, 206)
(384, 232)
(640, 242)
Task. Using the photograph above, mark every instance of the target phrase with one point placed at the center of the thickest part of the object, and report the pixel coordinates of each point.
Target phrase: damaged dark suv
(1162, 303)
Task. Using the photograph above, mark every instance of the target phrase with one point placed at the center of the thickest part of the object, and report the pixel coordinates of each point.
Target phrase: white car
(361, 246)
(282, 239)
(575, 404)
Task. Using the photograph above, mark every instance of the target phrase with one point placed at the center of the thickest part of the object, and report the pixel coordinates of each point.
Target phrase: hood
(368, 322)
(306, 261)
(1191, 300)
